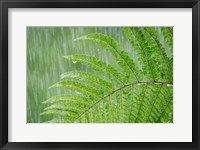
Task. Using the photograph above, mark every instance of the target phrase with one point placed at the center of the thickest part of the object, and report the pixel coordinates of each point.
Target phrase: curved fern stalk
(149, 103)
(122, 57)
(96, 64)
(147, 84)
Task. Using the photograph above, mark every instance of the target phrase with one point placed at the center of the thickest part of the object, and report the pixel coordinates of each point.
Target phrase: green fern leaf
(122, 57)
(68, 98)
(126, 95)
(98, 65)
(152, 57)
(88, 77)
(79, 87)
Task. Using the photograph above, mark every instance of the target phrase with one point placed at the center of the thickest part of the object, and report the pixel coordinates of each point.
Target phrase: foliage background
(45, 48)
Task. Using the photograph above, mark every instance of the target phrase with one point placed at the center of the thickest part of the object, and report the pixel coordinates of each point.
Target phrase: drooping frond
(126, 95)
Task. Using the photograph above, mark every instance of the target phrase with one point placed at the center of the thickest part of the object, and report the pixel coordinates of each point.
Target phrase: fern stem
(126, 85)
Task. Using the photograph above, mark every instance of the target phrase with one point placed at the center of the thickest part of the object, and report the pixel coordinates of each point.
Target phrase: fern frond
(61, 116)
(126, 95)
(79, 87)
(96, 64)
(167, 33)
(89, 77)
(122, 57)
(66, 107)
(144, 104)
(59, 112)
(68, 98)
(152, 56)
(165, 66)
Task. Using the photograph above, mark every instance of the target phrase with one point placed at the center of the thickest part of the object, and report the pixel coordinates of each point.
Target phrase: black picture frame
(6, 4)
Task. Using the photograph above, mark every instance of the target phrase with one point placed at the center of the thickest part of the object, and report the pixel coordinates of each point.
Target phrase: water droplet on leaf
(169, 85)
(78, 93)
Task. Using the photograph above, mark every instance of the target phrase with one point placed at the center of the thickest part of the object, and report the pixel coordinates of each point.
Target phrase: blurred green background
(45, 48)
